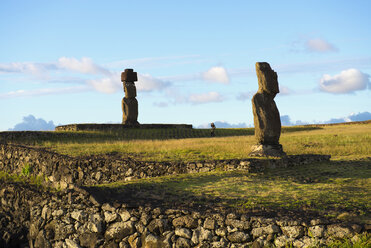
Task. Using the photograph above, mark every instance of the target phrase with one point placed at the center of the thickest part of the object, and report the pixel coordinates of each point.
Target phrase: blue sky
(61, 60)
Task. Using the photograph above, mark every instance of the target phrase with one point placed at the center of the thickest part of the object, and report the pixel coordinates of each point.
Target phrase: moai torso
(266, 116)
(129, 102)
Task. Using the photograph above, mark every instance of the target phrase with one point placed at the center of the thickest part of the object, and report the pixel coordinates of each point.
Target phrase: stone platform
(114, 127)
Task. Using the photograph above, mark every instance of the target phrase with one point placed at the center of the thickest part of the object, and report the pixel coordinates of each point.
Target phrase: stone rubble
(33, 217)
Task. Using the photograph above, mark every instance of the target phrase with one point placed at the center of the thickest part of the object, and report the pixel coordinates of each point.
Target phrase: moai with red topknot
(129, 102)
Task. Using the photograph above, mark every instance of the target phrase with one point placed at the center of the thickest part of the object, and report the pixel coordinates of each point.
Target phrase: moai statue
(129, 102)
(266, 116)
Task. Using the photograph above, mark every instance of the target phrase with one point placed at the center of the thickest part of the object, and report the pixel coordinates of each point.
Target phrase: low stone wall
(73, 218)
(63, 170)
(113, 127)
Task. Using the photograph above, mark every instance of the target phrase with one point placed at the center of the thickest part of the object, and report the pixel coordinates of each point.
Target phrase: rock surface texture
(33, 217)
(129, 102)
(266, 116)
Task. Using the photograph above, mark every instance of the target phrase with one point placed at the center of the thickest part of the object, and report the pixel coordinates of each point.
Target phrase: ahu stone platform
(114, 127)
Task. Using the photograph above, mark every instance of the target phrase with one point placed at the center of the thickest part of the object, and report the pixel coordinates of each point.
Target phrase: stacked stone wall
(35, 218)
(62, 170)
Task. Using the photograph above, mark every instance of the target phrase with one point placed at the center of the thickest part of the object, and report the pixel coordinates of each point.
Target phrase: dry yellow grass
(339, 141)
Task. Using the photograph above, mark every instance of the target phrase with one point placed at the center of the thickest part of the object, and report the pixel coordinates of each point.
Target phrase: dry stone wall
(73, 218)
(63, 170)
(34, 217)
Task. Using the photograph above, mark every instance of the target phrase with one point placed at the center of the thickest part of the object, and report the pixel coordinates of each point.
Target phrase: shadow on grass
(310, 190)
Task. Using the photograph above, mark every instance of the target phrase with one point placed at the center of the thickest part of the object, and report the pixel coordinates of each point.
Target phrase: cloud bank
(346, 82)
(362, 116)
(91, 76)
(108, 84)
(286, 121)
(30, 123)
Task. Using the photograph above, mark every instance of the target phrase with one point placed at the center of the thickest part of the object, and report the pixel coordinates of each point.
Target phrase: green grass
(361, 241)
(330, 188)
(339, 141)
(23, 178)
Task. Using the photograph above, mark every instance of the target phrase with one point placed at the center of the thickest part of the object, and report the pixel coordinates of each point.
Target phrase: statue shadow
(195, 191)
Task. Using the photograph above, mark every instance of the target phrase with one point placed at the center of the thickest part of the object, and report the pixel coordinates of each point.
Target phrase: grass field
(339, 141)
(340, 188)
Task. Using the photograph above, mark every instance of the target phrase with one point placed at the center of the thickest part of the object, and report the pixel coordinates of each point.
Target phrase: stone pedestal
(129, 102)
(267, 150)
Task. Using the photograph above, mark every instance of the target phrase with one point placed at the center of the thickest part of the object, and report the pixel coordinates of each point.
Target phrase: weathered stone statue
(129, 102)
(266, 116)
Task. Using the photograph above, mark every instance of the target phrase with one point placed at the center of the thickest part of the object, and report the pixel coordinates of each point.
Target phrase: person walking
(212, 129)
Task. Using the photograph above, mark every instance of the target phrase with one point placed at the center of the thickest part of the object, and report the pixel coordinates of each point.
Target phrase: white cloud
(148, 83)
(107, 85)
(85, 66)
(40, 70)
(216, 74)
(205, 98)
(319, 45)
(44, 91)
(346, 82)
(30, 123)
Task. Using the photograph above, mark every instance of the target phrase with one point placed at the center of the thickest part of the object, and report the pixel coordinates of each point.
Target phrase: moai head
(129, 76)
(267, 78)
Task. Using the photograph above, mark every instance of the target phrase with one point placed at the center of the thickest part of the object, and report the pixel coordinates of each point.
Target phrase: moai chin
(129, 102)
(266, 116)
